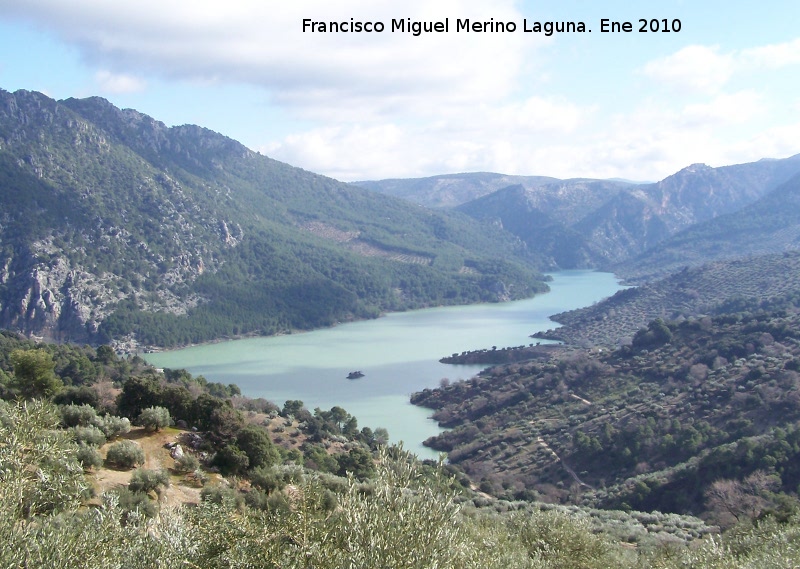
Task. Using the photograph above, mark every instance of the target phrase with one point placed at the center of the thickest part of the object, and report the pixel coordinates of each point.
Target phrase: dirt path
(569, 470)
(581, 399)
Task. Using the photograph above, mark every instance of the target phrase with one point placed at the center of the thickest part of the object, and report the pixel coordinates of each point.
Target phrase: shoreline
(256, 334)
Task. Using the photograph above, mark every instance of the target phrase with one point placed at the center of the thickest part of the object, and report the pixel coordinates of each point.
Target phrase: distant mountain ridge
(116, 227)
(581, 223)
(769, 225)
(546, 217)
(450, 190)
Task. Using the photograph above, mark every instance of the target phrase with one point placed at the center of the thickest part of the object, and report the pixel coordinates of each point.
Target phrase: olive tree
(154, 418)
(125, 454)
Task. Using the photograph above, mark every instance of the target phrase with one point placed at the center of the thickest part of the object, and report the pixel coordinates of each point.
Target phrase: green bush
(34, 375)
(74, 395)
(130, 501)
(266, 479)
(113, 426)
(256, 444)
(78, 415)
(563, 542)
(90, 435)
(39, 470)
(357, 462)
(257, 499)
(145, 480)
(89, 457)
(125, 454)
(221, 495)
(154, 418)
(230, 459)
(187, 463)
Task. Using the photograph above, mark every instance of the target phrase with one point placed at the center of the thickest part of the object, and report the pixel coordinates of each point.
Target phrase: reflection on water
(398, 354)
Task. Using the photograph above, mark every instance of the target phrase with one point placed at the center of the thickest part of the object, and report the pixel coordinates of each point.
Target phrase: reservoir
(398, 354)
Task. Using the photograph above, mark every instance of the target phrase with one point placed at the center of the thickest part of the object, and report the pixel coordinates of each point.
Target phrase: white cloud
(774, 142)
(542, 136)
(695, 68)
(503, 138)
(391, 104)
(262, 43)
(724, 109)
(118, 83)
(773, 56)
(704, 69)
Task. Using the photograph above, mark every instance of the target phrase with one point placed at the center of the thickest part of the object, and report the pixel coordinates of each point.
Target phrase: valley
(660, 408)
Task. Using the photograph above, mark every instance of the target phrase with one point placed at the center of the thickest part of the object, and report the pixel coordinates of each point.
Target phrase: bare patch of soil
(157, 457)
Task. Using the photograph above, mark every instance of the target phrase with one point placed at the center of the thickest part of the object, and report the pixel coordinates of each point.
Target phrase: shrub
(219, 494)
(90, 435)
(563, 541)
(130, 501)
(78, 415)
(33, 374)
(256, 444)
(83, 395)
(231, 459)
(40, 472)
(145, 480)
(187, 463)
(113, 426)
(154, 418)
(89, 457)
(125, 454)
(357, 461)
(200, 476)
(277, 502)
(256, 499)
(266, 479)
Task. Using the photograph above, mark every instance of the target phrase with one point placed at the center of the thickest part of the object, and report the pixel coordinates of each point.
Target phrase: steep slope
(637, 220)
(517, 210)
(627, 223)
(770, 225)
(115, 226)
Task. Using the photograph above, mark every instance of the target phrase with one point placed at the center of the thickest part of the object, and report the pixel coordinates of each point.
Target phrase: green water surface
(398, 354)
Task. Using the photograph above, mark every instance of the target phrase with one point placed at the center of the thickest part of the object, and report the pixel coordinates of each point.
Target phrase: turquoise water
(398, 354)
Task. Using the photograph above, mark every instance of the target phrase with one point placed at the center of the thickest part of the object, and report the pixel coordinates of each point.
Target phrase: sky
(724, 89)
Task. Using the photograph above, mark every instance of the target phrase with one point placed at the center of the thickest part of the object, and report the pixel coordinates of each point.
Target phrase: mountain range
(581, 223)
(117, 228)
(769, 225)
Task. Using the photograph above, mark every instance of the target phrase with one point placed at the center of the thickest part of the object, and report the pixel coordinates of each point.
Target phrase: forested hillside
(742, 284)
(116, 227)
(649, 426)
